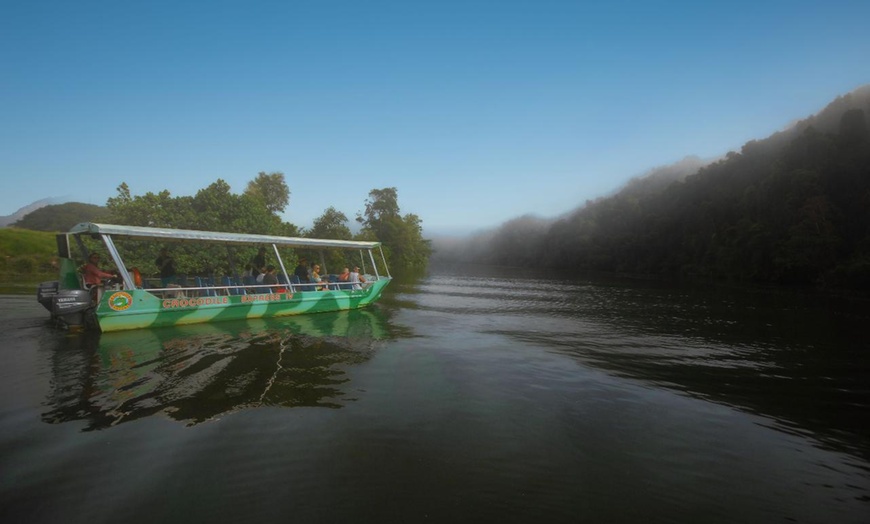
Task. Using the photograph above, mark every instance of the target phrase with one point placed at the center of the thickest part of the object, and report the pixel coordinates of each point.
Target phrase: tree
(271, 190)
(381, 205)
(332, 224)
(402, 237)
(149, 210)
(214, 208)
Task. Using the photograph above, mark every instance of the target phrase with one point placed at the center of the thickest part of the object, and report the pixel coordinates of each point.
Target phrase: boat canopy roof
(181, 235)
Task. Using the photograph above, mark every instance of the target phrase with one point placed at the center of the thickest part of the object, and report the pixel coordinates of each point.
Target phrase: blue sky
(477, 111)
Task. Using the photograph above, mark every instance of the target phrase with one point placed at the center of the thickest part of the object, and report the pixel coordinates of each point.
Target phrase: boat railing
(207, 290)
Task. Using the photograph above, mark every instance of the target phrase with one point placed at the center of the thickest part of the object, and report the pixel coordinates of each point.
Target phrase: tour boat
(128, 302)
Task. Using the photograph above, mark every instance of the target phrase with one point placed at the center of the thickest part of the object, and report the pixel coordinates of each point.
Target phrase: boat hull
(138, 308)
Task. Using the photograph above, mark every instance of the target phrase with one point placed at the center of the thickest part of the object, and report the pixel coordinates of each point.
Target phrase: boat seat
(229, 282)
(204, 283)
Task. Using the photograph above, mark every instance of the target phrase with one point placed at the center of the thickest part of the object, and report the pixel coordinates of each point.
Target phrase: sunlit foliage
(217, 208)
(271, 190)
(402, 236)
(331, 224)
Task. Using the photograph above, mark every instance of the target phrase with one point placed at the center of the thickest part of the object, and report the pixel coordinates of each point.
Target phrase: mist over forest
(792, 208)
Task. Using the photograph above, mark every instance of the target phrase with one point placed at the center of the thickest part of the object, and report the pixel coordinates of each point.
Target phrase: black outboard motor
(46, 292)
(73, 306)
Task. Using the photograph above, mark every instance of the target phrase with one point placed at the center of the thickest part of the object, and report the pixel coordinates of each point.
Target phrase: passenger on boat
(302, 271)
(137, 276)
(93, 275)
(166, 264)
(315, 277)
(344, 276)
(270, 278)
(355, 278)
(259, 260)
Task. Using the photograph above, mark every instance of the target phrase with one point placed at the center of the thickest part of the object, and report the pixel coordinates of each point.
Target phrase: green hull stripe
(138, 308)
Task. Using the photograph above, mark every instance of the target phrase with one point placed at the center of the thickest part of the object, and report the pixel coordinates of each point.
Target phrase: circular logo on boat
(120, 301)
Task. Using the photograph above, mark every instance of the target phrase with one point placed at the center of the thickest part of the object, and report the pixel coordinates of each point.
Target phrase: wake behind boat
(217, 293)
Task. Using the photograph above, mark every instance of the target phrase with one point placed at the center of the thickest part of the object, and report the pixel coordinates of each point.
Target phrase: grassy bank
(26, 259)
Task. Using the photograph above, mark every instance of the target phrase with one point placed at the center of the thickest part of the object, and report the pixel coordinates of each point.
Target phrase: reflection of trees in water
(787, 357)
(196, 373)
(795, 357)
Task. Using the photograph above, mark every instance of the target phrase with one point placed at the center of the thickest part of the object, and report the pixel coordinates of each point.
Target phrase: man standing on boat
(303, 271)
(259, 260)
(166, 265)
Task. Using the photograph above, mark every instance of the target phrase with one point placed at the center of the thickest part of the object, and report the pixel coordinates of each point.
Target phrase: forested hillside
(61, 217)
(793, 208)
(22, 212)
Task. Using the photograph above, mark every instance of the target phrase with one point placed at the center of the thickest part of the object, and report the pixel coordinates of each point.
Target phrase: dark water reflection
(200, 372)
(800, 358)
(470, 395)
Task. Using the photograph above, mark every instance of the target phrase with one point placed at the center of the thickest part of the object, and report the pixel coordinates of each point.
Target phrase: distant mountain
(29, 208)
(61, 217)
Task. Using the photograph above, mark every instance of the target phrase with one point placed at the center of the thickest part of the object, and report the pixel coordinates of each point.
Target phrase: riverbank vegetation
(30, 254)
(26, 258)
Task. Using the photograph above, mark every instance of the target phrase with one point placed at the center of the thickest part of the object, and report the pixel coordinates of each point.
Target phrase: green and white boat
(125, 303)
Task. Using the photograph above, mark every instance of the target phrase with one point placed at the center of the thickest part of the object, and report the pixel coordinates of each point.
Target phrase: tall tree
(271, 190)
(381, 205)
(150, 209)
(332, 224)
(402, 236)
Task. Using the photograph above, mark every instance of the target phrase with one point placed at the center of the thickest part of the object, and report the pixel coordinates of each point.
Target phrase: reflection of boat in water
(353, 324)
(199, 372)
(130, 303)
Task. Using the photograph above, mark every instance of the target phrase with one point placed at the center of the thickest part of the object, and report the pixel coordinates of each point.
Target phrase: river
(470, 395)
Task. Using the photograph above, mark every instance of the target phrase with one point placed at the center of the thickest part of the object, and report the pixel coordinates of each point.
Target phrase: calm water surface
(467, 396)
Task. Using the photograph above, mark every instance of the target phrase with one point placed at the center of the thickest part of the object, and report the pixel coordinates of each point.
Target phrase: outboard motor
(46, 292)
(72, 306)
